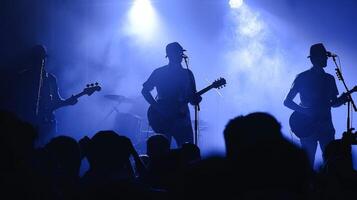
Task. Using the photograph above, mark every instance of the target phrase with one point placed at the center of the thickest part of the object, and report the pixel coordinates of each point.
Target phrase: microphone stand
(39, 90)
(350, 101)
(197, 109)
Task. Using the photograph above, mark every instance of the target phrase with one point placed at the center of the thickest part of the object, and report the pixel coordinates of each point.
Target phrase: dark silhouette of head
(339, 176)
(264, 160)
(108, 151)
(318, 55)
(16, 140)
(338, 151)
(64, 155)
(174, 51)
(157, 146)
(250, 131)
(38, 55)
(191, 153)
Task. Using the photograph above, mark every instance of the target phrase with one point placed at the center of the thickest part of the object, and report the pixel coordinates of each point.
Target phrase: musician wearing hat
(311, 120)
(175, 86)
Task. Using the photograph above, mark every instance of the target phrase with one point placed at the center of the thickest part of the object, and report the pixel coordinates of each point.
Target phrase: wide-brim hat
(174, 48)
(317, 50)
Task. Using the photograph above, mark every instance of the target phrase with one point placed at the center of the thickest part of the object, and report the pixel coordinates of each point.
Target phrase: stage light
(142, 18)
(236, 3)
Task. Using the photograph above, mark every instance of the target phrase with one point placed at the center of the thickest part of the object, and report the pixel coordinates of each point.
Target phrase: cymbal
(118, 98)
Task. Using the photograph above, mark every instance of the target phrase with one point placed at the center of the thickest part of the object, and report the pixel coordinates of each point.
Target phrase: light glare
(236, 3)
(143, 21)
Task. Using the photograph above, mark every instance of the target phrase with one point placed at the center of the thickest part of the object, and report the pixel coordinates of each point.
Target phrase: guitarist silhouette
(311, 120)
(38, 96)
(175, 88)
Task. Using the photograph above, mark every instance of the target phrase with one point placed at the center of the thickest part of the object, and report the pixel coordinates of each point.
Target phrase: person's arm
(138, 162)
(57, 100)
(337, 101)
(289, 99)
(146, 92)
(148, 86)
(142, 171)
(83, 144)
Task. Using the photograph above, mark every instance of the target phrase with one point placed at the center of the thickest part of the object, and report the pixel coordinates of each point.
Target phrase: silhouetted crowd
(259, 164)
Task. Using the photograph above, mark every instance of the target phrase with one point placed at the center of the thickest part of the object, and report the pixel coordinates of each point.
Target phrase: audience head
(191, 153)
(250, 131)
(157, 146)
(108, 151)
(337, 150)
(64, 154)
(16, 139)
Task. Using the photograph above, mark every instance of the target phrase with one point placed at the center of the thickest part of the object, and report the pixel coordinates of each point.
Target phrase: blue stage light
(143, 21)
(236, 3)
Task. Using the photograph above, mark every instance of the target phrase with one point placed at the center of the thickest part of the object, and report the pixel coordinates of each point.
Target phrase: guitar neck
(204, 90)
(354, 89)
(79, 95)
(62, 104)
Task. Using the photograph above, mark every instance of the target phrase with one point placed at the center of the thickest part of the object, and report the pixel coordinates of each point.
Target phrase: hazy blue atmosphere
(257, 46)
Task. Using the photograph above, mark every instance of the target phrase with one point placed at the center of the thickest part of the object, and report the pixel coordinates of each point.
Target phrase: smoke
(121, 50)
(256, 68)
(118, 44)
(255, 62)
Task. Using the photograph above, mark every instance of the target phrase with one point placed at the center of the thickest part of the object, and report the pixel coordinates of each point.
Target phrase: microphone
(332, 55)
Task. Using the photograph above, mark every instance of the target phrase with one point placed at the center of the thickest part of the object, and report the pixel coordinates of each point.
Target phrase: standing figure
(311, 120)
(37, 95)
(175, 86)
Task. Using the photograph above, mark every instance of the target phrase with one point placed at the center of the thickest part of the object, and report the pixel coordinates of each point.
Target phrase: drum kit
(133, 123)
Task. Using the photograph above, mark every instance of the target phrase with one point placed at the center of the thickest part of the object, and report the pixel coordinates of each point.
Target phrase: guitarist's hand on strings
(195, 99)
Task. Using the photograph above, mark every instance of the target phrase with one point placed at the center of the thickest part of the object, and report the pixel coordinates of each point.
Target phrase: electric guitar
(303, 125)
(45, 114)
(89, 90)
(161, 120)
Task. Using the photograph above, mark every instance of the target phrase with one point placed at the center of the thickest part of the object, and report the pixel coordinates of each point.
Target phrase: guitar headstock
(354, 89)
(91, 88)
(219, 83)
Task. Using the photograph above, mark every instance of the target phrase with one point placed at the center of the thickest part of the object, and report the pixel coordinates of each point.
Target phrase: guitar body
(158, 123)
(302, 125)
(163, 122)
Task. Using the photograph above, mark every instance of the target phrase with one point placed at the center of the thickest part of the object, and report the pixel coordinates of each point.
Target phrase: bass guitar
(161, 120)
(46, 116)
